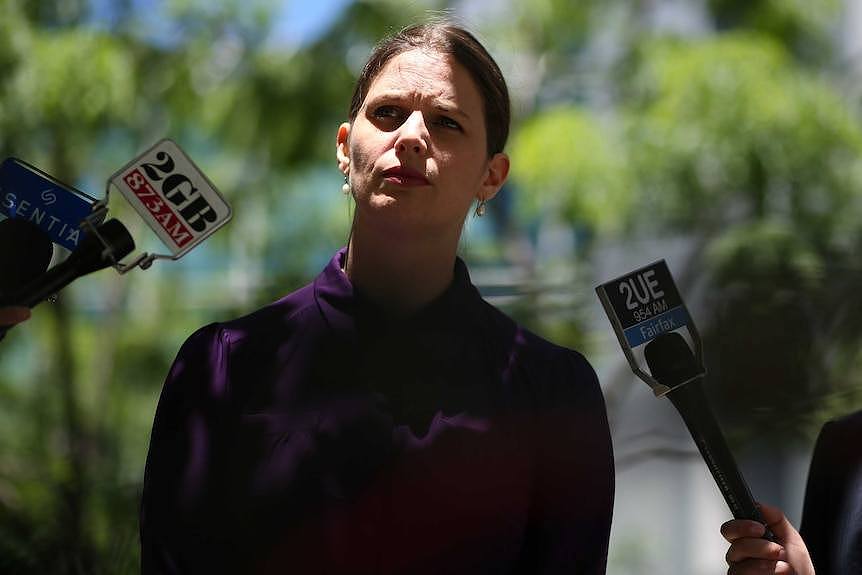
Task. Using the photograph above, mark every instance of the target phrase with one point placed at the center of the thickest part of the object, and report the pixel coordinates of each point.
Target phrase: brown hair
(449, 39)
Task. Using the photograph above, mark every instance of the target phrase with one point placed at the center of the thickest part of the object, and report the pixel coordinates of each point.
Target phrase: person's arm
(574, 477)
(829, 492)
(749, 554)
(180, 508)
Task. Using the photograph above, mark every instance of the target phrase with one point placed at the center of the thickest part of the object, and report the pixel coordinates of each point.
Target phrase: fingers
(12, 315)
(738, 528)
(749, 553)
(754, 548)
(760, 567)
(774, 518)
(777, 522)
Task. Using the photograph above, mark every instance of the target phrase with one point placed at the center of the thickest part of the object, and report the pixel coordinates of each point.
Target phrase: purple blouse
(315, 437)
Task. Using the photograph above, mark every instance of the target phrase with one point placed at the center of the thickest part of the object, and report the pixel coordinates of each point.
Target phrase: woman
(384, 418)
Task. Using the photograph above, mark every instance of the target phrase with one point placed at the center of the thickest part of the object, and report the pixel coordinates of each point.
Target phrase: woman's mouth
(403, 176)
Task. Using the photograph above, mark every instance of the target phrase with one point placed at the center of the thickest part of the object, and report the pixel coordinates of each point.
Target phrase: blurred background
(721, 135)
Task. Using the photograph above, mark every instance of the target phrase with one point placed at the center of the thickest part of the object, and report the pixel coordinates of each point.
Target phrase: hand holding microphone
(25, 254)
(105, 245)
(645, 307)
(673, 365)
(750, 553)
(163, 185)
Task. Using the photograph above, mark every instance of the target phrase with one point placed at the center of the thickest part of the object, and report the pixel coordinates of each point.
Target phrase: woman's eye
(387, 112)
(447, 122)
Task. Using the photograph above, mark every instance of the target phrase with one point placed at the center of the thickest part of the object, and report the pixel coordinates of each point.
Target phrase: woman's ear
(342, 148)
(495, 176)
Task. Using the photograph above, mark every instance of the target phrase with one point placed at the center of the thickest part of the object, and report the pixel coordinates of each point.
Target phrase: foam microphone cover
(25, 253)
(93, 253)
(670, 359)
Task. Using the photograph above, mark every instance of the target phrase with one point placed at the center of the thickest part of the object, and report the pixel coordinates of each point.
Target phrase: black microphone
(25, 253)
(672, 363)
(109, 243)
(167, 190)
(644, 307)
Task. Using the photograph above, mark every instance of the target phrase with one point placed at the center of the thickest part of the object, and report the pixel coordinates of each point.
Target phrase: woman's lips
(404, 177)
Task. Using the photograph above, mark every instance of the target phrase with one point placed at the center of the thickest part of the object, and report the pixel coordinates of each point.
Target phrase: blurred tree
(564, 159)
(60, 88)
(807, 29)
(729, 140)
(569, 163)
(735, 144)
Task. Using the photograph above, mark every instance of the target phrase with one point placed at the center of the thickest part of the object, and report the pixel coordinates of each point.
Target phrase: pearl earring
(480, 208)
(345, 189)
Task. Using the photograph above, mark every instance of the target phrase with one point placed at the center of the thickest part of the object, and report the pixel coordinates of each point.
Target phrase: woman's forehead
(426, 73)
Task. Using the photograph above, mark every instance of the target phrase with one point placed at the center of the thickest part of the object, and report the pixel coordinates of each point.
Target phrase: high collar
(346, 309)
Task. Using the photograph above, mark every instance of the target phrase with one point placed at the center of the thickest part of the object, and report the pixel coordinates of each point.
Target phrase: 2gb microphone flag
(172, 196)
(642, 305)
(30, 194)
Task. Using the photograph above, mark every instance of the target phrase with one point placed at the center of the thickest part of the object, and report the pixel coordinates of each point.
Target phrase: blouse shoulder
(207, 355)
(555, 372)
(278, 316)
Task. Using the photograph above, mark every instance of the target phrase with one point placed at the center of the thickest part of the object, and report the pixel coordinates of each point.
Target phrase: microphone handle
(44, 286)
(692, 405)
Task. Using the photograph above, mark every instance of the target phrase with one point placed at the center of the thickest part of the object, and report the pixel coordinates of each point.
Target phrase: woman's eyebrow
(451, 109)
(443, 105)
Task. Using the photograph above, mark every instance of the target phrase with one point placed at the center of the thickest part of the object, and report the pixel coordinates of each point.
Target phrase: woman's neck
(401, 275)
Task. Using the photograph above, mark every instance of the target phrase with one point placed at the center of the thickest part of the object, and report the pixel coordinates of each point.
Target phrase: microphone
(104, 246)
(25, 253)
(167, 190)
(645, 307)
(672, 364)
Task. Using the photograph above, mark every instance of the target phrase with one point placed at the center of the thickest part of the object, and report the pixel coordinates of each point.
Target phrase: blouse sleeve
(574, 476)
(823, 496)
(180, 520)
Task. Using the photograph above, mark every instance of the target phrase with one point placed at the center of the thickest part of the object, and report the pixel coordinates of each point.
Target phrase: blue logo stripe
(648, 329)
(27, 194)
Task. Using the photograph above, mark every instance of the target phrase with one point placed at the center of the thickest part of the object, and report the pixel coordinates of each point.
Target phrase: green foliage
(762, 250)
(567, 162)
(730, 141)
(730, 127)
(735, 143)
(555, 28)
(60, 87)
(806, 27)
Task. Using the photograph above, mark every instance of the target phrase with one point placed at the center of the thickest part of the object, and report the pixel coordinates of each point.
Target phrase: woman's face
(416, 151)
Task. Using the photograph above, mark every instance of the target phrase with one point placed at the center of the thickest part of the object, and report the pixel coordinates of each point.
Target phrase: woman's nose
(412, 135)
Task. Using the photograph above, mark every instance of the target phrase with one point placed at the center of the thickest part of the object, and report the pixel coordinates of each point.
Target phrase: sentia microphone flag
(30, 194)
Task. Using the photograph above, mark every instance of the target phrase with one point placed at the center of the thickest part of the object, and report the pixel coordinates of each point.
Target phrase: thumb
(795, 553)
(775, 520)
